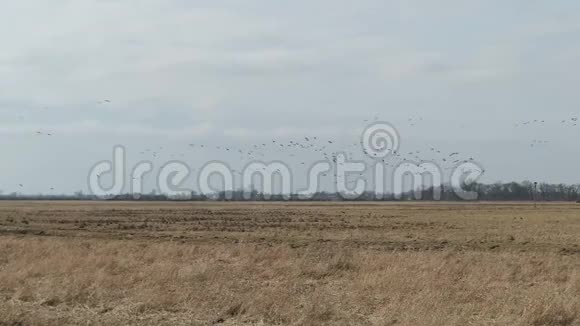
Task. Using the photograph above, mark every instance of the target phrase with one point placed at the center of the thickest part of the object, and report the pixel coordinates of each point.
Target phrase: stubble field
(103, 263)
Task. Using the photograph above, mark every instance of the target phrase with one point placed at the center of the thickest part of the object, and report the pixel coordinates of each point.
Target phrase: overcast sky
(453, 74)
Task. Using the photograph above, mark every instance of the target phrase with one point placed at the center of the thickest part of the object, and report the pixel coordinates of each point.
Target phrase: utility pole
(534, 194)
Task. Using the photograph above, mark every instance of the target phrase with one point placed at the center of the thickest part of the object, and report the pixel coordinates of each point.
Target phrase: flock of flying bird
(569, 122)
(573, 122)
(46, 133)
(318, 148)
(313, 147)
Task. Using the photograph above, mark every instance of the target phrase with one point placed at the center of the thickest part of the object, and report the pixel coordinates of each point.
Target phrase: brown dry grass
(289, 264)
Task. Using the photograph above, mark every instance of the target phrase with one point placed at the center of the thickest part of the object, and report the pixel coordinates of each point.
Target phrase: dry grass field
(73, 263)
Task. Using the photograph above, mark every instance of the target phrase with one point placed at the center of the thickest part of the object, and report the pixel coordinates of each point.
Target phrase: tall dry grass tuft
(70, 281)
(550, 312)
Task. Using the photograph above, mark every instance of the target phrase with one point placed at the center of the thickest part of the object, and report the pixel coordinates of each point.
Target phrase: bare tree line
(512, 191)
